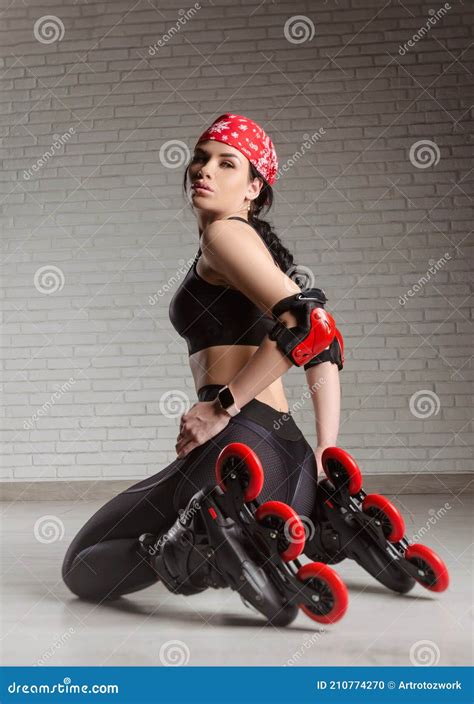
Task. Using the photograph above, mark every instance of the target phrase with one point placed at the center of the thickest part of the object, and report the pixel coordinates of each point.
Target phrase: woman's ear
(255, 187)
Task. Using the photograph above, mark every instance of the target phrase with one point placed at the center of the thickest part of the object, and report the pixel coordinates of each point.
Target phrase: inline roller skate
(226, 538)
(369, 529)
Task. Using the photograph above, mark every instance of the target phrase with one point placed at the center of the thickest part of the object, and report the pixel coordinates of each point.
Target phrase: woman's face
(225, 171)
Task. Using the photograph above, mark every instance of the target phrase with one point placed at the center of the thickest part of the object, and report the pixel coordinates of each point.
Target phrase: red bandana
(249, 138)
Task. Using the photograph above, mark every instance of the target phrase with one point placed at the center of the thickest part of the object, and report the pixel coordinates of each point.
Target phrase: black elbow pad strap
(297, 301)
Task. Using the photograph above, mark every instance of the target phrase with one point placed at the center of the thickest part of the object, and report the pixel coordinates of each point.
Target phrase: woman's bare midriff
(219, 365)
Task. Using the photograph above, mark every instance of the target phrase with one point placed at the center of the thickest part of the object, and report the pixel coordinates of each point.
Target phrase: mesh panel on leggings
(300, 466)
(305, 492)
(201, 472)
(289, 467)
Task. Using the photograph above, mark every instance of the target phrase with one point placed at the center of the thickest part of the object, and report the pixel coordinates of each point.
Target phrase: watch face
(226, 398)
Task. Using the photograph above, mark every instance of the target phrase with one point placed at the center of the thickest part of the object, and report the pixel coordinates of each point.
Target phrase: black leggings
(104, 561)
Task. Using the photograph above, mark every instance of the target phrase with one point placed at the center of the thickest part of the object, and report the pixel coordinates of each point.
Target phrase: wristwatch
(227, 402)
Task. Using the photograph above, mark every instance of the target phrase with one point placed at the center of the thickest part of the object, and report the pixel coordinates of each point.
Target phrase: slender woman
(223, 310)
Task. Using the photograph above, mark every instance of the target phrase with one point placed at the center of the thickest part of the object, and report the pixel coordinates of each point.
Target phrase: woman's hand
(318, 454)
(203, 420)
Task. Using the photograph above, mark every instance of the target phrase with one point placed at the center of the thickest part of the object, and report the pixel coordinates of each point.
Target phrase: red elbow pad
(320, 335)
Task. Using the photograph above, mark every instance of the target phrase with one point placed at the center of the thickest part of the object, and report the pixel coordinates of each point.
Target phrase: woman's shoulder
(216, 226)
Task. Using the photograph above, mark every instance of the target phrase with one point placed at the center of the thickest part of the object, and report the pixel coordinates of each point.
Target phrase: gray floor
(43, 623)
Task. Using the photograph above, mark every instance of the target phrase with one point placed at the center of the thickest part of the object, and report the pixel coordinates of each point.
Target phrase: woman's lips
(200, 189)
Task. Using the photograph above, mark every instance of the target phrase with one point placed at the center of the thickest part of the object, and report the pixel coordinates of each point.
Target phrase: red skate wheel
(381, 509)
(331, 592)
(342, 469)
(241, 459)
(289, 526)
(432, 572)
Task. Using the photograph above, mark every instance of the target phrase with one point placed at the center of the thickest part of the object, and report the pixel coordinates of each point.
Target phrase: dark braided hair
(281, 255)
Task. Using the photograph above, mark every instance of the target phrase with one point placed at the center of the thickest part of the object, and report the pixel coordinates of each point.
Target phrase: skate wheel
(287, 524)
(432, 571)
(331, 593)
(381, 509)
(342, 469)
(238, 458)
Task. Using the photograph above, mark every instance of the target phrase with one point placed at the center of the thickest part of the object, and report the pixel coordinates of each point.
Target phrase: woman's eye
(201, 158)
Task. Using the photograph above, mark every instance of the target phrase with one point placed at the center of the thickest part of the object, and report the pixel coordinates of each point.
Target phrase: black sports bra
(207, 314)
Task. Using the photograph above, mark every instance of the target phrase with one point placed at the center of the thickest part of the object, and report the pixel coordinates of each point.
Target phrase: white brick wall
(109, 215)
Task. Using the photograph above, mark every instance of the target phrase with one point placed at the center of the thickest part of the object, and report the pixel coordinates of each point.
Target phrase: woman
(222, 309)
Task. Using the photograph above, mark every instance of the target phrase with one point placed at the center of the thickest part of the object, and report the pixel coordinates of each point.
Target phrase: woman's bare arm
(323, 382)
